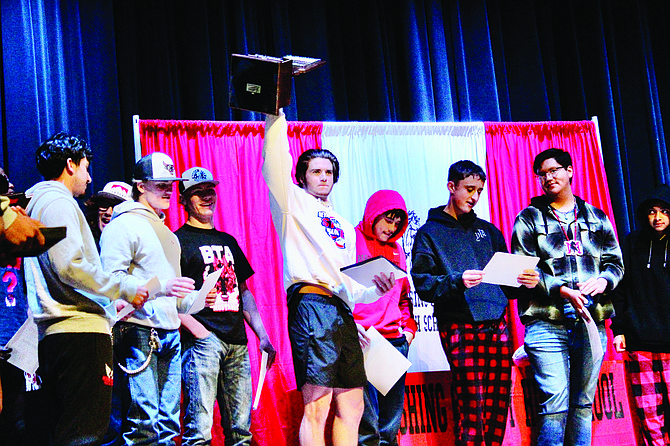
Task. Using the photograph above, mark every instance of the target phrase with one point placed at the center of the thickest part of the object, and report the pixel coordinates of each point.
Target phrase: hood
(379, 203)
(46, 190)
(135, 207)
(438, 215)
(660, 193)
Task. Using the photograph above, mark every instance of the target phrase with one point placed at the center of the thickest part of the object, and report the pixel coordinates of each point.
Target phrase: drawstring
(665, 259)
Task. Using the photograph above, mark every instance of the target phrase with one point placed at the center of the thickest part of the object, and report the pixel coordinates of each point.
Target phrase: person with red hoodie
(384, 222)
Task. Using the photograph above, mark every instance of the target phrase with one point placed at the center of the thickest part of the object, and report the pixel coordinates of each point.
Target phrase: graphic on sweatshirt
(218, 257)
(333, 229)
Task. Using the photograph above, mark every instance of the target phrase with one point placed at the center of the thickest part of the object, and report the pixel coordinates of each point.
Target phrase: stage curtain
(510, 150)
(233, 152)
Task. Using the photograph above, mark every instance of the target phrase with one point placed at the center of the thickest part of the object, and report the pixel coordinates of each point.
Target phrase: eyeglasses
(551, 173)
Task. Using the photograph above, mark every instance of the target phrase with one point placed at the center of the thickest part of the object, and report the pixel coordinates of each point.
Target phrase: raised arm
(278, 163)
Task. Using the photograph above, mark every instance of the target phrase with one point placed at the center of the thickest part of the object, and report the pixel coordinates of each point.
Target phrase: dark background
(87, 67)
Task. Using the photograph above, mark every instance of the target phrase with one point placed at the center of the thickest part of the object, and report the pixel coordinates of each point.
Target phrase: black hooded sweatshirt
(642, 299)
(445, 247)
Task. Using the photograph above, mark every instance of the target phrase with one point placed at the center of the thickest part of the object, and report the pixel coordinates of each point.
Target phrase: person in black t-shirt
(215, 358)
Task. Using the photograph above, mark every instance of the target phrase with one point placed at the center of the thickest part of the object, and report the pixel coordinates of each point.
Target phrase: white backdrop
(414, 160)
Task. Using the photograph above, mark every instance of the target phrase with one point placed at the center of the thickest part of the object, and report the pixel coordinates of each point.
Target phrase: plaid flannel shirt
(538, 233)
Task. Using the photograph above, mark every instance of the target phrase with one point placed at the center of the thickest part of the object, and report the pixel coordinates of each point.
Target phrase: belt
(315, 289)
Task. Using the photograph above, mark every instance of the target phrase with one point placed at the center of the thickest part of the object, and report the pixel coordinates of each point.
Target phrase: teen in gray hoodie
(75, 349)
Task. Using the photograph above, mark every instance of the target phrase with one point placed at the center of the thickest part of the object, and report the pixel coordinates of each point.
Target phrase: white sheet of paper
(153, 286)
(24, 347)
(504, 268)
(594, 339)
(261, 379)
(207, 285)
(364, 272)
(384, 364)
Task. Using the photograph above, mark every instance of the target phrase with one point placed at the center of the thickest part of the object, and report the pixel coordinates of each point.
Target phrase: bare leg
(317, 405)
(348, 413)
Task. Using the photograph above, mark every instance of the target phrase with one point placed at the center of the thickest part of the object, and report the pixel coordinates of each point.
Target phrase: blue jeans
(567, 377)
(145, 406)
(382, 414)
(213, 369)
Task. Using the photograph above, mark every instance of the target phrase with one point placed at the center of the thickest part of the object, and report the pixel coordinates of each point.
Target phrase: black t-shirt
(204, 251)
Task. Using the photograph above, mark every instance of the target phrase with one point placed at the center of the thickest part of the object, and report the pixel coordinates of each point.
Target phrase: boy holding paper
(580, 261)
(449, 252)
(383, 223)
(215, 358)
(136, 244)
(75, 350)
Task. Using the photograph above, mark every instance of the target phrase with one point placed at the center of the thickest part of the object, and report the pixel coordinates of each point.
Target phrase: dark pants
(18, 399)
(383, 413)
(77, 386)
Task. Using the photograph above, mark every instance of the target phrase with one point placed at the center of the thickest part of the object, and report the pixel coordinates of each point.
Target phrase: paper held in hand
(207, 286)
(384, 364)
(363, 272)
(504, 268)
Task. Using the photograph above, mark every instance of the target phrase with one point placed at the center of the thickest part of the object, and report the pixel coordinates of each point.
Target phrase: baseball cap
(194, 176)
(155, 167)
(116, 190)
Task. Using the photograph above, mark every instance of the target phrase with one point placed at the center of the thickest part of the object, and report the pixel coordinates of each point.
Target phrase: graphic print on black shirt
(204, 251)
(216, 257)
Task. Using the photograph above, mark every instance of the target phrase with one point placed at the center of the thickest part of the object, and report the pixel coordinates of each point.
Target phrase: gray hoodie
(56, 277)
(136, 244)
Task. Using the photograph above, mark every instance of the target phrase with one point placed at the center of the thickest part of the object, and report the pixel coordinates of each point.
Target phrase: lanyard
(572, 247)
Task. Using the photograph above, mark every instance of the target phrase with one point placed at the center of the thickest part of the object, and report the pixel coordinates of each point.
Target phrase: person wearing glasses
(98, 208)
(580, 263)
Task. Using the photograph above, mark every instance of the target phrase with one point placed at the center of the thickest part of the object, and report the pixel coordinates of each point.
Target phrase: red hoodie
(393, 311)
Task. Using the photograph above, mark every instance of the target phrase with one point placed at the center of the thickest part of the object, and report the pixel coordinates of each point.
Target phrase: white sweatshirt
(316, 241)
(136, 245)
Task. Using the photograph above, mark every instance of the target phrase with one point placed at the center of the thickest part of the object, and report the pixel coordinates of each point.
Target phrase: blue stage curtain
(88, 66)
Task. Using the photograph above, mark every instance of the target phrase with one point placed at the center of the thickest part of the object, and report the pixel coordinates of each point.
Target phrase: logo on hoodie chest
(480, 235)
(333, 229)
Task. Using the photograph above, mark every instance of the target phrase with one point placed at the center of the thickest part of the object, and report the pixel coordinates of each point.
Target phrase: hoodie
(393, 313)
(62, 281)
(137, 246)
(642, 299)
(444, 247)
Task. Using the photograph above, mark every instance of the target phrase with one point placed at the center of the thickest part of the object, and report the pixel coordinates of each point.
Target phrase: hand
(180, 286)
(363, 338)
(409, 336)
(472, 277)
(24, 234)
(5, 353)
(211, 298)
(120, 304)
(266, 346)
(141, 296)
(529, 278)
(593, 286)
(620, 343)
(577, 300)
(384, 283)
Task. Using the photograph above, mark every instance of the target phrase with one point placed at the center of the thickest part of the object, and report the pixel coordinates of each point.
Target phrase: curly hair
(52, 154)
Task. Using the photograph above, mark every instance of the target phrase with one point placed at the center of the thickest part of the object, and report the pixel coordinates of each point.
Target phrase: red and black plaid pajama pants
(649, 378)
(481, 367)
